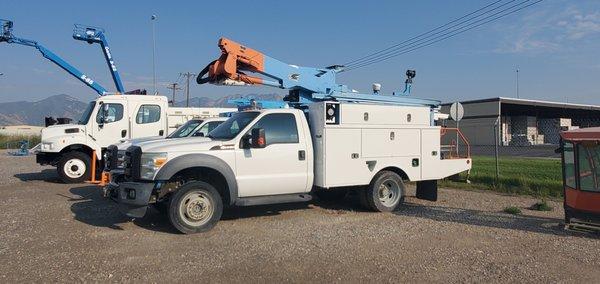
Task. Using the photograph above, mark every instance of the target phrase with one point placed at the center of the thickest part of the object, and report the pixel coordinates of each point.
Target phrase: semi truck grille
(131, 162)
(111, 158)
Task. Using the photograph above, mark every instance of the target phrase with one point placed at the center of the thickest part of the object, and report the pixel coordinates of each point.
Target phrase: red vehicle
(581, 176)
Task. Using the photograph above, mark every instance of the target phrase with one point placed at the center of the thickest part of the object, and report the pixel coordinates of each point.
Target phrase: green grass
(529, 176)
(512, 210)
(12, 141)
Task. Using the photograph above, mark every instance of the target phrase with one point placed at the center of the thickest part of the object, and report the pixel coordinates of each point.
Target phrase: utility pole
(517, 82)
(174, 88)
(153, 19)
(187, 75)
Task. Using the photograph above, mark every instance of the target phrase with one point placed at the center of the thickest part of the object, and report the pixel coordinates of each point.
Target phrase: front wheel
(196, 207)
(385, 192)
(74, 167)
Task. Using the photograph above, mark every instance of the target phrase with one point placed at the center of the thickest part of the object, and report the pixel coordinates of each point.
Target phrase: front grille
(111, 158)
(132, 162)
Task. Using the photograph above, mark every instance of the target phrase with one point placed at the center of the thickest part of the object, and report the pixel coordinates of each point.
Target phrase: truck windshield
(85, 117)
(186, 129)
(231, 127)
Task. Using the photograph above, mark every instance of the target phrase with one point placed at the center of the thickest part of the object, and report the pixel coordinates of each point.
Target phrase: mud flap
(427, 190)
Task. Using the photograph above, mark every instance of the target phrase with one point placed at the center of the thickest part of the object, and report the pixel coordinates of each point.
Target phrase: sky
(555, 45)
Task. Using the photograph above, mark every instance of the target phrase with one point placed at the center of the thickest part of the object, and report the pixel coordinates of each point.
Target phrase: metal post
(153, 19)
(517, 82)
(496, 147)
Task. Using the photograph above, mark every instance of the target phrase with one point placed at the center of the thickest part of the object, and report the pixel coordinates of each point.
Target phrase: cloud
(549, 30)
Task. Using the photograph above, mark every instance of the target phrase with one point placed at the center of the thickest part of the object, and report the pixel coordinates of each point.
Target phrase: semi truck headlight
(47, 146)
(151, 163)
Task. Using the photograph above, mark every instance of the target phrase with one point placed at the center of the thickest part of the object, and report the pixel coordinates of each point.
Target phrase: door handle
(123, 133)
(161, 132)
(301, 155)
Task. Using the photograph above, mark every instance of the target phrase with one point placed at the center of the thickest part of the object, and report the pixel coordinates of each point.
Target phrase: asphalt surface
(53, 232)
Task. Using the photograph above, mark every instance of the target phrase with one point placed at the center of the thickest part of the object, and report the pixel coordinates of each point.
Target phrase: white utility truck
(73, 148)
(276, 156)
(331, 140)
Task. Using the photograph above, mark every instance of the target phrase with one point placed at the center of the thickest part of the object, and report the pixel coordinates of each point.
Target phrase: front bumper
(132, 197)
(46, 158)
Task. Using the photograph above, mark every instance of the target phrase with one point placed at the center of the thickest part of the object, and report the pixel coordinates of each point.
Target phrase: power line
(419, 36)
(420, 44)
(447, 35)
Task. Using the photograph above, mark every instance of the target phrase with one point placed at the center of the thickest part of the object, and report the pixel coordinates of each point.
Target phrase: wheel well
(398, 171)
(208, 175)
(78, 147)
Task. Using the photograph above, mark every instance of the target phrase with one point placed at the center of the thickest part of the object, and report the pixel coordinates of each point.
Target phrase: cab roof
(582, 134)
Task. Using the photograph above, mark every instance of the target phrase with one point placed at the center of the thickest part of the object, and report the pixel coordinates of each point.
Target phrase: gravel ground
(56, 232)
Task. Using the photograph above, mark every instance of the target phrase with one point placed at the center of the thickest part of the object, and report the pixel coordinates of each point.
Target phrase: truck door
(110, 124)
(149, 120)
(279, 168)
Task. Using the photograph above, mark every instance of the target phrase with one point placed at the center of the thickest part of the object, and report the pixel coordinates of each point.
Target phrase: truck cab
(77, 148)
(265, 156)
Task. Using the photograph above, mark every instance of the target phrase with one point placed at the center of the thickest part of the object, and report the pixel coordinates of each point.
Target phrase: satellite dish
(457, 111)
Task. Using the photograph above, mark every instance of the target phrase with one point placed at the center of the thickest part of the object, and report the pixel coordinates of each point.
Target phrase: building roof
(515, 101)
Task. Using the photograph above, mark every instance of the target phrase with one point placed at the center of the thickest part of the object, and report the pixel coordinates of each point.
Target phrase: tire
(385, 193)
(203, 196)
(74, 167)
(331, 195)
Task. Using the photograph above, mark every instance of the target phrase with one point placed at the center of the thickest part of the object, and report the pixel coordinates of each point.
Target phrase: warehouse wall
(478, 122)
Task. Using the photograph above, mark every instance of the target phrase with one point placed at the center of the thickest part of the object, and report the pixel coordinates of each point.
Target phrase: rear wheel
(385, 192)
(196, 207)
(74, 167)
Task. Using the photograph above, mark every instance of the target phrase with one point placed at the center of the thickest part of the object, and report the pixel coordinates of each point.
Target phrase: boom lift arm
(8, 37)
(305, 84)
(93, 35)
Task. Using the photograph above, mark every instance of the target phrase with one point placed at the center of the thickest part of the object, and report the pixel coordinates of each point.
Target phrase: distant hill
(33, 113)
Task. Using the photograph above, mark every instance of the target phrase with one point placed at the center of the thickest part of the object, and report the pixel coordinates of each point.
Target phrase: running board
(273, 199)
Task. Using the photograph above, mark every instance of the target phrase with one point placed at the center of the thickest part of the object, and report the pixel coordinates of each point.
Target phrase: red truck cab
(581, 176)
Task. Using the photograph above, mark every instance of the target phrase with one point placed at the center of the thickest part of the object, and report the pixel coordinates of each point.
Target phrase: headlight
(47, 146)
(151, 163)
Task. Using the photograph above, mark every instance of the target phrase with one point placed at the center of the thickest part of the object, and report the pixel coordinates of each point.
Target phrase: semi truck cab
(265, 156)
(75, 148)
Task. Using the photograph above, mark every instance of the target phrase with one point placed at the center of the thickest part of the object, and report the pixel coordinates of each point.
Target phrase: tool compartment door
(430, 154)
(343, 159)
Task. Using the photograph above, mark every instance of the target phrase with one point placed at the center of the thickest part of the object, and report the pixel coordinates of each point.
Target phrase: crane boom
(8, 37)
(305, 84)
(93, 35)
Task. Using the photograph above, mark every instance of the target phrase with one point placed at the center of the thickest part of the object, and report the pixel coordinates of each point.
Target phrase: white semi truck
(73, 148)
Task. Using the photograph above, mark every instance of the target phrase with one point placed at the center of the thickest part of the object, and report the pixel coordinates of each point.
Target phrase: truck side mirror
(258, 138)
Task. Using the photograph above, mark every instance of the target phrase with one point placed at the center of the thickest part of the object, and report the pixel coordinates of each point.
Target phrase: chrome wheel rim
(74, 168)
(389, 193)
(196, 208)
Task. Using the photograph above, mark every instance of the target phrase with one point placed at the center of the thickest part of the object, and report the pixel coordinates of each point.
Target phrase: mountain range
(33, 113)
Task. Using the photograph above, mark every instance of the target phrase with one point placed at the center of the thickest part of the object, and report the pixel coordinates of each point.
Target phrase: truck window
(115, 113)
(185, 129)
(279, 128)
(231, 127)
(569, 165)
(589, 163)
(87, 113)
(148, 114)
